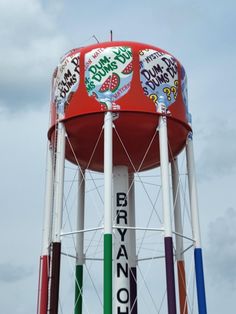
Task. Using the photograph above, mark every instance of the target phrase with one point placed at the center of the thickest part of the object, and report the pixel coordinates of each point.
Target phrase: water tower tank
(131, 76)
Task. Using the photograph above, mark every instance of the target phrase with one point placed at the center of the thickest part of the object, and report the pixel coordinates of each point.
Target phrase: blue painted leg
(201, 295)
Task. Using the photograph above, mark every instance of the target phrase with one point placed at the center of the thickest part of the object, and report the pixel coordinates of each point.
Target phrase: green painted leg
(107, 274)
(78, 289)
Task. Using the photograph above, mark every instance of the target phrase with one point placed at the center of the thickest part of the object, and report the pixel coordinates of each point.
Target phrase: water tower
(119, 108)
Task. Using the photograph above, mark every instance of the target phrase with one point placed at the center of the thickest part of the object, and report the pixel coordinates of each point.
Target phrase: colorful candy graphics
(158, 75)
(184, 89)
(108, 73)
(66, 81)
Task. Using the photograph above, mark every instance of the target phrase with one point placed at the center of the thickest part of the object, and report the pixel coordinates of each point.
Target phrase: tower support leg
(168, 242)
(57, 218)
(108, 163)
(201, 295)
(47, 234)
(79, 244)
(178, 239)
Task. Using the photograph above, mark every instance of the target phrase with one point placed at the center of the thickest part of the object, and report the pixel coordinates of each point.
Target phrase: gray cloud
(218, 151)
(30, 48)
(10, 273)
(221, 251)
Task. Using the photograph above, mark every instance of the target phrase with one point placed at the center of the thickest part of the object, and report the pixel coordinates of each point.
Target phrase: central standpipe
(122, 246)
(164, 164)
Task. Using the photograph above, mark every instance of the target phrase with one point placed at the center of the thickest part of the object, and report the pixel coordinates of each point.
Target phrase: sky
(34, 35)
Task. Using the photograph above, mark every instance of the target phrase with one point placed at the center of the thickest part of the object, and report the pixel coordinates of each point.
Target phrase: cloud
(30, 49)
(221, 251)
(218, 151)
(10, 273)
